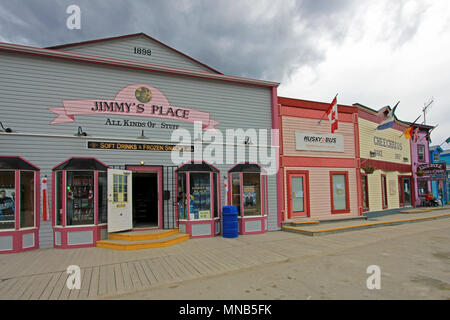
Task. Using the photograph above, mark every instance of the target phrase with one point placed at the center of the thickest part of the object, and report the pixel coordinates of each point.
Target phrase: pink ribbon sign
(134, 100)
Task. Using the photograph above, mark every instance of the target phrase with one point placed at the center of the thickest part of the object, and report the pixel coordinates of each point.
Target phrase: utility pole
(424, 110)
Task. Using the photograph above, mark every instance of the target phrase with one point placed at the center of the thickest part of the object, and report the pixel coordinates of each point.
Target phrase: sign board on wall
(432, 168)
(308, 141)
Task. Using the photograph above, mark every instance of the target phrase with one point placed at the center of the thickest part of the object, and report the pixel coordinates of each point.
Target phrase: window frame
(34, 201)
(421, 146)
(263, 189)
(16, 208)
(347, 193)
(213, 204)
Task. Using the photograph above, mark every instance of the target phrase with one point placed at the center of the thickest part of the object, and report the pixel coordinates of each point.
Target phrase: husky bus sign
(134, 100)
(307, 141)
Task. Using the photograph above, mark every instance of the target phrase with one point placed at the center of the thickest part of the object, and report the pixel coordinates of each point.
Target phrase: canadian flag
(45, 206)
(332, 114)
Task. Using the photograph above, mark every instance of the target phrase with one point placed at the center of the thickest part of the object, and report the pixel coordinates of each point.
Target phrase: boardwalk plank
(85, 283)
(93, 285)
(50, 286)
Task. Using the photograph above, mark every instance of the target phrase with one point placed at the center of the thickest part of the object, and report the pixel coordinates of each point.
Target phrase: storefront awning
(81, 164)
(16, 163)
(203, 167)
(246, 167)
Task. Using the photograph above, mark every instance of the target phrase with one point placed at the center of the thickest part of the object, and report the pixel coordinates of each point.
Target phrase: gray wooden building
(98, 120)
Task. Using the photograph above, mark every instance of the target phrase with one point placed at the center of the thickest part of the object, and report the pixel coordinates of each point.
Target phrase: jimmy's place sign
(307, 141)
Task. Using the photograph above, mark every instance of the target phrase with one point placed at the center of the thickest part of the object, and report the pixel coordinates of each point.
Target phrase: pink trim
(277, 143)
(130, 36)
(241, 191)
(188, 196)
(37, 198)
(159, 172)
(96, 197)
(96, 234)
(262, 220)
(17, 236)
(14, 48)
(211, 201)
(63, 198)
(17, 208)
(53, 209)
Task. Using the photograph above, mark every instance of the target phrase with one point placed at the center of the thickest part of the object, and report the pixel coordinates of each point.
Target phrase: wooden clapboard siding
(367, 132)
(319, 191)
(293, 124)
(375, 193)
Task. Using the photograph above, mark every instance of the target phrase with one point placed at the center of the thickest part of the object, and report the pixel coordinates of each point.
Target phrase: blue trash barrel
(230, 222)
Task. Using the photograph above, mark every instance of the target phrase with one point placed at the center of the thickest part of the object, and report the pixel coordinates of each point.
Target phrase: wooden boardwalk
(41, 274)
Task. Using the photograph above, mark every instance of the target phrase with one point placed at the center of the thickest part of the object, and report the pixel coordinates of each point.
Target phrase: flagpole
(320, 121)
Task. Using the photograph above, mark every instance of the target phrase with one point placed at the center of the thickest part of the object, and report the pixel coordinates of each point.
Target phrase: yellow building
(385, 159)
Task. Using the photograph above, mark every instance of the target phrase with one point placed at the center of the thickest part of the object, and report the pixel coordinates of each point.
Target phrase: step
(143, 244)
(142, 235)
(366, 225)
(299, 222)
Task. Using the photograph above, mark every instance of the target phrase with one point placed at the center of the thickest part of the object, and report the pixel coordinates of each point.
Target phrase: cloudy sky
(374, 52)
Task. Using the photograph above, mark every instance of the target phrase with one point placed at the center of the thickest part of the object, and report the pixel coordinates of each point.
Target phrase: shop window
(182, 196)
(80, 198)
(339, 192)
(423, 186)
(436, 157)
(252, 194)
(248, 190)
(200, 196)
(421, 152)
(7, 200)
(27, 199)
(81, 192)
(198, 188)
(236, 190)
(102, 197)
(384, 191)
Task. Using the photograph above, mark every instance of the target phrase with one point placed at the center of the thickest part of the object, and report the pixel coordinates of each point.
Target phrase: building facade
(420, 159)
(445, 157)
(320, 170)
(102, 120)
(385, 162)
(438, 175)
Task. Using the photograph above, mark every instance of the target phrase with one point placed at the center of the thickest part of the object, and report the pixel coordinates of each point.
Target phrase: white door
(120, 211)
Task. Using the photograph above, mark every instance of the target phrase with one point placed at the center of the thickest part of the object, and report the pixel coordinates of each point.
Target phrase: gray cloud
(231, 38)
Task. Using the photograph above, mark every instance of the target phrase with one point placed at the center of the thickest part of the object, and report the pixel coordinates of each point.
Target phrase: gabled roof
(76, 44)
(79, 57)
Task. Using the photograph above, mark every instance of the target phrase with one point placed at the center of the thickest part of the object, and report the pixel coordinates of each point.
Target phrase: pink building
(420, 155)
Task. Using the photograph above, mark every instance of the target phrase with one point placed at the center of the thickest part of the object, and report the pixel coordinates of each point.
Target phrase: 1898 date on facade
(142, 51)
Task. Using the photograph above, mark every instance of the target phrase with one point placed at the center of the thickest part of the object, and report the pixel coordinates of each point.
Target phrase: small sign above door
(307, 141)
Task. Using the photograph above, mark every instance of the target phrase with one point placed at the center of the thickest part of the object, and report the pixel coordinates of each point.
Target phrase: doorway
(405, 188)
(145, 200)
(298, 194)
